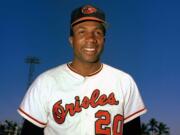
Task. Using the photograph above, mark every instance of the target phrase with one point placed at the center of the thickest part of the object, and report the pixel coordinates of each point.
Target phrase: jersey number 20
(104, 119)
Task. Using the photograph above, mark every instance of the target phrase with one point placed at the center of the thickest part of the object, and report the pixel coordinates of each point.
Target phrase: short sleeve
(34, 105)
(133, 105)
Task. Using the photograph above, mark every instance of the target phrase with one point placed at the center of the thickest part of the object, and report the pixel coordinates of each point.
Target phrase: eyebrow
(97, 27)
(100, 26)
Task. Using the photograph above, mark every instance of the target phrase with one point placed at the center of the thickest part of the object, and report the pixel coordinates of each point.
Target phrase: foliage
(153, 127)
(9, 128)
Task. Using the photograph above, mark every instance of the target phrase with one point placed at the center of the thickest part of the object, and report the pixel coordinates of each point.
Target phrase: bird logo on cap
(88, 9)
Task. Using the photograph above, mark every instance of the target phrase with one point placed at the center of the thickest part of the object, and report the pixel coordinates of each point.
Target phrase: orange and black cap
(87, 13)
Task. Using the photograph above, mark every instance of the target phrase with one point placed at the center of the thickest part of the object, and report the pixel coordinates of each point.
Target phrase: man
(85, 96)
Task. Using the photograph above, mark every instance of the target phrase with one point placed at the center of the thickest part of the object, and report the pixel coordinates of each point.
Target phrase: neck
(85, 69)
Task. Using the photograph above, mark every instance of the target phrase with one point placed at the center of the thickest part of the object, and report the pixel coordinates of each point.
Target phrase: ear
(71, 41)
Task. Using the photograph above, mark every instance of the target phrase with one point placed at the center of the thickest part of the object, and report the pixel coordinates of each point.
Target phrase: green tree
(163, 129)
(153, 126)
(144, 129)
(2, 127)
(9, 128)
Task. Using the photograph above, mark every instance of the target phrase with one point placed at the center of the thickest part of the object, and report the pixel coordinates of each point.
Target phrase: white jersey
(66, 103)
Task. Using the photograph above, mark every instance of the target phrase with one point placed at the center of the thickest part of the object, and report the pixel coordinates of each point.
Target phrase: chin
(92, 60)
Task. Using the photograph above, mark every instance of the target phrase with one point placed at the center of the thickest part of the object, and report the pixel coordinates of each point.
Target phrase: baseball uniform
(65, 103)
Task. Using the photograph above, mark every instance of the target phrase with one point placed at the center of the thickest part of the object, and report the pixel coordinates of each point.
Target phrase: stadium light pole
(31, 60)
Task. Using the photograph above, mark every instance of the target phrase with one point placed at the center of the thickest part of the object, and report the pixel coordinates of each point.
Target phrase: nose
(90, 37)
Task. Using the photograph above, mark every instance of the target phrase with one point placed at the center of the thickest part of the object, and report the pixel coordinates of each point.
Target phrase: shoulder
(55, 70)
(123, 79)
(53, 73)
(49, 78)
(112, 71)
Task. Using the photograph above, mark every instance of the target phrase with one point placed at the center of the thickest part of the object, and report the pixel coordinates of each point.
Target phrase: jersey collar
(92, 74)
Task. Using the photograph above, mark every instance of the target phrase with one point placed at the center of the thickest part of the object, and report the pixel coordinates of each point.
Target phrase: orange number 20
(104, 119)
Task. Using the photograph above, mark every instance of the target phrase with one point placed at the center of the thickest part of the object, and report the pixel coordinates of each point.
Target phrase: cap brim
(89, 19)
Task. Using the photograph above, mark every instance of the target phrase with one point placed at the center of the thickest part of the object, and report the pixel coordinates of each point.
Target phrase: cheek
(78, 41)
(77, 45)
(101, 43)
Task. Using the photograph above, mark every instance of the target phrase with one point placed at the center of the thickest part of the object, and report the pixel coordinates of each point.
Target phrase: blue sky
(143, 39)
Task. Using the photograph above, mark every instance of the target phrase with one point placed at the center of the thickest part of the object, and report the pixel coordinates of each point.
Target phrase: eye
(98, 33)
(81, 32)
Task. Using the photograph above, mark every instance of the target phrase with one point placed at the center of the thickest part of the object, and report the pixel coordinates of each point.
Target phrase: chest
(92, 102)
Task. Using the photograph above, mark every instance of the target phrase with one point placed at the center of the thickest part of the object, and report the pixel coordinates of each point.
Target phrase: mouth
(89, 49)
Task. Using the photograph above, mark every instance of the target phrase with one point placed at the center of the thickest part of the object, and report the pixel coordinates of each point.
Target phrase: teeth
(89, 49)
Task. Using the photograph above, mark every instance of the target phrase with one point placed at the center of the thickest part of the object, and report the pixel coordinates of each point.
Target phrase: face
(87, 41)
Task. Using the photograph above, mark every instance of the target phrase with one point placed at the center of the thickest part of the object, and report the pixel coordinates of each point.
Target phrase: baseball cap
(87, 13)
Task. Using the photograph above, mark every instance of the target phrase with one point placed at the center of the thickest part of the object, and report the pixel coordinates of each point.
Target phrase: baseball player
(84, 96)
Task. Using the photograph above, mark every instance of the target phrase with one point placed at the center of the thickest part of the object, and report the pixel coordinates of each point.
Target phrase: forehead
(88, 25)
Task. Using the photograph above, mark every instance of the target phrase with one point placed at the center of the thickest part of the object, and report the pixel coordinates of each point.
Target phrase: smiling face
(87, 41)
